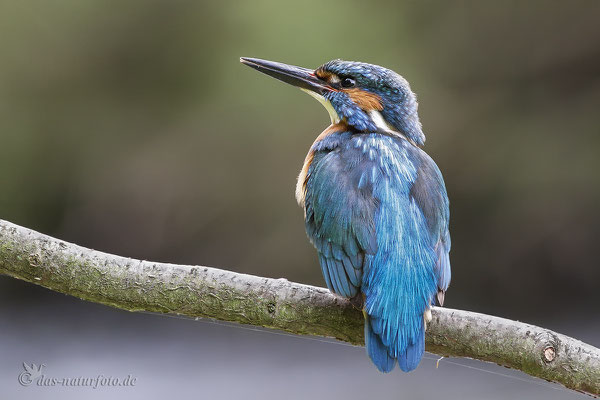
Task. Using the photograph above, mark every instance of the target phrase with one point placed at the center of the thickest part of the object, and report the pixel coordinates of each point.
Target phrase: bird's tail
(413, 354)
(376, 349)
(382, 355)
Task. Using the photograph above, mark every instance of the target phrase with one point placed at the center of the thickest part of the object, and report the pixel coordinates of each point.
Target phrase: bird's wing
(340, 208)
(340, 218)
(429, 193)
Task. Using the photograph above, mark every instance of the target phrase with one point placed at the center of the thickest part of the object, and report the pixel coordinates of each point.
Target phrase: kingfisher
(375, 204)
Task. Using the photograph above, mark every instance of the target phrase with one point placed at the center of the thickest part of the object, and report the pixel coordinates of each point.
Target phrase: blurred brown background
(130, 127)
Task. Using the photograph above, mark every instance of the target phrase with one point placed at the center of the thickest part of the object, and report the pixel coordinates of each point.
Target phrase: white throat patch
(382, 124)
(375, 115)
(335, 118)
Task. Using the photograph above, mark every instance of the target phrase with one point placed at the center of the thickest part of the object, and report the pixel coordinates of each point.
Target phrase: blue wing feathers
(338, 252)
(430, 194)
(341, 233)
(325, 247)
(442, 267)
(354, 274)
(377, 211)
(351, 247)
(344, 284)
(325, 270)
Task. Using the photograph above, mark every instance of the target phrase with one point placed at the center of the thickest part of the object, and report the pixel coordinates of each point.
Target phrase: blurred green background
(130, 127)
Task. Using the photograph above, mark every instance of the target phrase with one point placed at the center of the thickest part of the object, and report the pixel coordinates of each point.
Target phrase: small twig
(437, 363)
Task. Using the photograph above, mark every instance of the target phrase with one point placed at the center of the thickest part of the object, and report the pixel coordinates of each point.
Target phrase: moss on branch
(197, 291)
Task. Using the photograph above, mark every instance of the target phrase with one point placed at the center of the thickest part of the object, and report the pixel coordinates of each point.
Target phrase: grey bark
(197, 291)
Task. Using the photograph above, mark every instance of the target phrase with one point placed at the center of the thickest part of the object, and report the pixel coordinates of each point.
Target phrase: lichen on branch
(205, 292)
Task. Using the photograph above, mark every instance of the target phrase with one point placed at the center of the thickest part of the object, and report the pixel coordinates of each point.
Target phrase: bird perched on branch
(375, 204)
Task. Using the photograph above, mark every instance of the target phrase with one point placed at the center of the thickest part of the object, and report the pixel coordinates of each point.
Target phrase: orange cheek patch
(366, 100)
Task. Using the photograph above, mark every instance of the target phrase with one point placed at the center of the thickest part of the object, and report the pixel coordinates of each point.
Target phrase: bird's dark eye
(348, 82)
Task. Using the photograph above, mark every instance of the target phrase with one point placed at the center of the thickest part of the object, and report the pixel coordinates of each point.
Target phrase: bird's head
(366, 97)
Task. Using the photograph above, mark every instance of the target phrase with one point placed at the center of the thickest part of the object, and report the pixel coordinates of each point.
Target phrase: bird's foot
(358, 301)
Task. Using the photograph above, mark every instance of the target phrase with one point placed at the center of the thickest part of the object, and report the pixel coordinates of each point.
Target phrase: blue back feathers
(377, 212)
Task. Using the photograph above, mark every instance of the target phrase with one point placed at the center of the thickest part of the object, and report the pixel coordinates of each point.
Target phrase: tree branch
(205, 292)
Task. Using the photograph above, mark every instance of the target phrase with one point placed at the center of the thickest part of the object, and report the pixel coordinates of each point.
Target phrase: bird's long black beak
(303, 78)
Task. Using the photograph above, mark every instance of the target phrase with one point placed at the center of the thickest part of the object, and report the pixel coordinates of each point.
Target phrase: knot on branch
(548, 346)
(549, 354)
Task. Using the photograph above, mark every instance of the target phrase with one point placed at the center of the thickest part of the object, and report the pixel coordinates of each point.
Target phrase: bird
(375, 204)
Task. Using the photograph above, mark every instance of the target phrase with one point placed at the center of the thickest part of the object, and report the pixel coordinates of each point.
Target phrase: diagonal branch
(196, 291)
